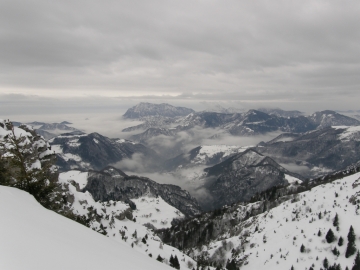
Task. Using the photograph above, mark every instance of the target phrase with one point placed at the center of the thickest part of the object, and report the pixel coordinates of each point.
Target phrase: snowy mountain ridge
(280, 231)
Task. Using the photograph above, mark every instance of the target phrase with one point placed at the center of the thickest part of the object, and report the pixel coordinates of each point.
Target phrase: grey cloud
(281, 52)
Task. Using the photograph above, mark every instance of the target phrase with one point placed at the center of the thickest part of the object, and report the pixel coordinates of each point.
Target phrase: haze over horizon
(87, 56)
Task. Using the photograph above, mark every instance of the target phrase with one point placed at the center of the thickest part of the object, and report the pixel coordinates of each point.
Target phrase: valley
(173, 186)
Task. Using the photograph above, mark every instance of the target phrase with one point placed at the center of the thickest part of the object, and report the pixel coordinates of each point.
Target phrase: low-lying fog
(111, 125)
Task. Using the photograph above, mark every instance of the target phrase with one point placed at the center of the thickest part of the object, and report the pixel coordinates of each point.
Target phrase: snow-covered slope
(272, 240)
(34, 238)
(118, 221)
(149, 209)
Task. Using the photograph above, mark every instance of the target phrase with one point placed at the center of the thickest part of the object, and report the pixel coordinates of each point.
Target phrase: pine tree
(171, 261)
(336, 220)
(26, 169)
(356, 262)
(302, 248)
(159, 258)
(319, 233)
(330, 237)
(176, 263)
(351, 246)
(335, 251)
(341, 241)
(326, 263)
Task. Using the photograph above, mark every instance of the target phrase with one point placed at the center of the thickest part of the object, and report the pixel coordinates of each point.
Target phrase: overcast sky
(291, 54)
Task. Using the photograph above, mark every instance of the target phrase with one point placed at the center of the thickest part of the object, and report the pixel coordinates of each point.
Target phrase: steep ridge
(243, 175)
(329, 118)
(113, 184)
(287, 228)
(94, 151)
(317, 152)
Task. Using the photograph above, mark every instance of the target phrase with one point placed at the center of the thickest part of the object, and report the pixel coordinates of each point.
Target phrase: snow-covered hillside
(34, 238)
(273, 239)
(119, 222)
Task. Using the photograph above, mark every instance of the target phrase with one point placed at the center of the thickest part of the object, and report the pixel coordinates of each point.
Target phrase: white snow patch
(292, 179)
(155, 211)
(35, 238)
(78, 176)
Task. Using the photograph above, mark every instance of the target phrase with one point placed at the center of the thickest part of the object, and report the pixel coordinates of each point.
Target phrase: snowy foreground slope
(273, 239)
(115, 219)
(32, 237)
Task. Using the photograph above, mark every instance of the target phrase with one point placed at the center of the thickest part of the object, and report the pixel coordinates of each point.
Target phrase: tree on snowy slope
(330, 237)
(351, 246)
(357, 262)
(25, 166)
(174, 262)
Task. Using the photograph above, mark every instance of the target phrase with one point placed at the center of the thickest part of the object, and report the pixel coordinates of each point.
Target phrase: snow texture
(272, 240)
(34, 238)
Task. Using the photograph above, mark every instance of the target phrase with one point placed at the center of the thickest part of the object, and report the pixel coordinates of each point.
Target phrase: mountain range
(271, 204)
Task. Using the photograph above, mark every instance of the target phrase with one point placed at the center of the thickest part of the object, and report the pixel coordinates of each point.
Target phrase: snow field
(154, 211)
(35, 238)
(272, 240)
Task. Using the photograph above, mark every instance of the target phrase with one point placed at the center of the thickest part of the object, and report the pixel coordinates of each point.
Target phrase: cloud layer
(253, 51)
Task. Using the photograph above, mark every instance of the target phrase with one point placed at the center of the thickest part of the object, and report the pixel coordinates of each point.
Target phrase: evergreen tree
(25, 168)
(335, 251)
(326, 263)
(336, 220)
(302, 248)
(171, 261)
(159, 258)
(176, 263)
(330, 237)
(319, 233)
(351, 246)
(341, 241)
(356, 262)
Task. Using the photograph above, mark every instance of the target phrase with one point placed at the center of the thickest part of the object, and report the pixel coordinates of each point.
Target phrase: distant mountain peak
(145, 109)
(329, 118)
